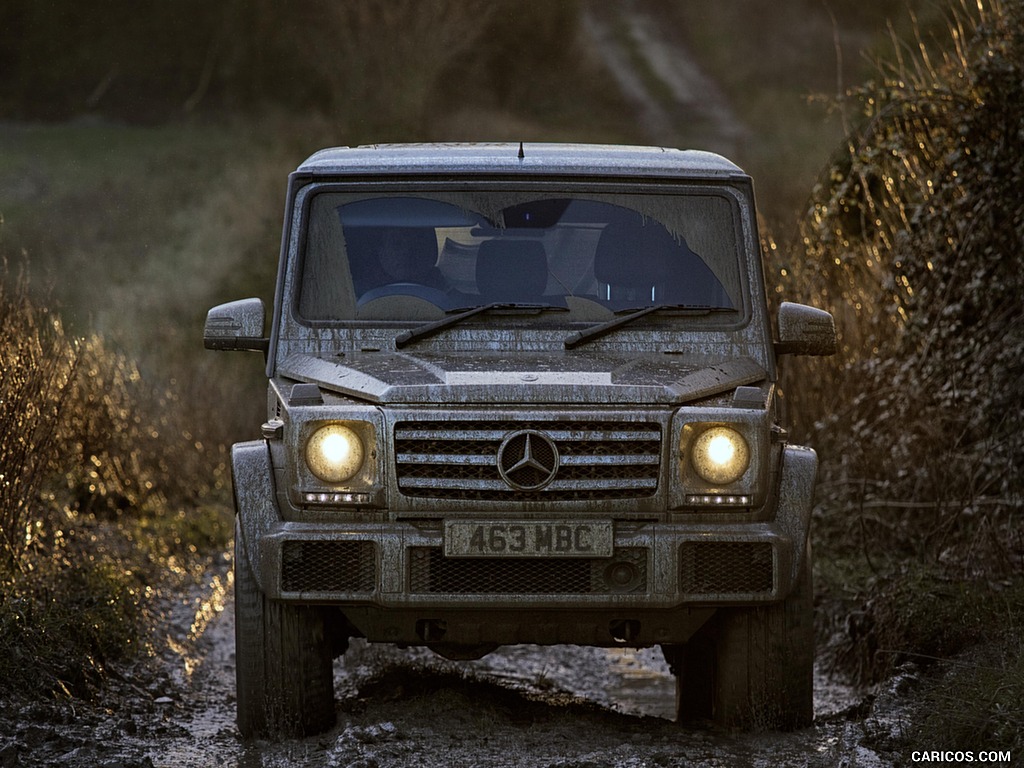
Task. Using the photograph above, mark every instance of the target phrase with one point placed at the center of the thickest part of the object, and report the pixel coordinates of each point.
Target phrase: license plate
(534, 538)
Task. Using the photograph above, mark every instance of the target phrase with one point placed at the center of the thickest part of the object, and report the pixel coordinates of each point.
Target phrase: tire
(283, 669)
(693, 665)
(751, 668)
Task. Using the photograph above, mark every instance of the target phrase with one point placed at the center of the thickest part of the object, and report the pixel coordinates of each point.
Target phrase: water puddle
(198, 728)
(640, 682)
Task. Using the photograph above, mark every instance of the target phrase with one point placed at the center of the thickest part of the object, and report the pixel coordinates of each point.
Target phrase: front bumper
(397, 566)
(401, 565)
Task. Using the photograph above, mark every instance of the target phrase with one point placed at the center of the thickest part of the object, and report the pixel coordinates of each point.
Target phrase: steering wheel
(417, 290)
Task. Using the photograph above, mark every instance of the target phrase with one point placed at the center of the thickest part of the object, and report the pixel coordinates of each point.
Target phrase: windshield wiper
(424, 331)
(574, 340)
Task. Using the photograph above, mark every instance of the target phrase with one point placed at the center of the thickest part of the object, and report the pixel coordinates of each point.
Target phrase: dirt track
(553, 707)
(677, 103)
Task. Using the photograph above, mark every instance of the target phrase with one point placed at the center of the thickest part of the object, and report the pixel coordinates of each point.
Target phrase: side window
(325, 291)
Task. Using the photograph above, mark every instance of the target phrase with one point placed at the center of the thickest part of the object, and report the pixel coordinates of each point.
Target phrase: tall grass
(38, 365)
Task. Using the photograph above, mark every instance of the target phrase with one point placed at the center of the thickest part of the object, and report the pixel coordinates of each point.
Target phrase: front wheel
(283, 670)
(751, 668)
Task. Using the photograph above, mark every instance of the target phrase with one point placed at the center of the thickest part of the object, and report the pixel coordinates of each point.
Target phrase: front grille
(327, 566)
(430, 572)
(459, 460)
(722, 567)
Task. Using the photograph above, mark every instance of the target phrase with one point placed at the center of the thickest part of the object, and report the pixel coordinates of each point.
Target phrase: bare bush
(77, 418)
(102, 491)
(127, 444)
(37, 365)
(915, 242)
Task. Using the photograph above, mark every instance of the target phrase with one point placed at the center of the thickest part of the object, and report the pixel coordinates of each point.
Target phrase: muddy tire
(751, 668)
(285, 682)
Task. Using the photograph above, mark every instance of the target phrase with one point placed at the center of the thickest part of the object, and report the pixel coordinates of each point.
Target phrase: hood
(486, 377)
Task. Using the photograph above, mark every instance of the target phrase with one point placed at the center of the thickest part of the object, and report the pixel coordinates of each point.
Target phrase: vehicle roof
(504, 158)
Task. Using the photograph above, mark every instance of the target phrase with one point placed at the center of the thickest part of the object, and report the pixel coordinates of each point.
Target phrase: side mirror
(805, 330)
(237, 325)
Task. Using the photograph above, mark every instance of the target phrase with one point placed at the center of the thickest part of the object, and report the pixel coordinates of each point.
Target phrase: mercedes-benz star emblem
(527, 460)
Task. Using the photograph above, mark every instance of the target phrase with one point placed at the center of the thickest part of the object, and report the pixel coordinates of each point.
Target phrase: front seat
(512, 270)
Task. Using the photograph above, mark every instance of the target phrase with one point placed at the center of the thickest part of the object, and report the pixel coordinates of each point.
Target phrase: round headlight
(334, 453)
(720, 455)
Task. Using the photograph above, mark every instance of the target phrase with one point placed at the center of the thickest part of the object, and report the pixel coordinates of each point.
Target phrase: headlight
(720, 455)
(334, 453)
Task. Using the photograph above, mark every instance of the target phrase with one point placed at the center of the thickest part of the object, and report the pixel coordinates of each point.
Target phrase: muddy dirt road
(555, 707)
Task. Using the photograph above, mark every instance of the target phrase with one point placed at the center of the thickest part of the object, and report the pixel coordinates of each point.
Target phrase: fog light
(710, 500)
(319, 497)
(622, 576)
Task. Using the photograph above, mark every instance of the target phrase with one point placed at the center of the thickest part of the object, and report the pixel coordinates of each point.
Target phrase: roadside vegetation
(914, 241)
(165, 199)
(105, 494)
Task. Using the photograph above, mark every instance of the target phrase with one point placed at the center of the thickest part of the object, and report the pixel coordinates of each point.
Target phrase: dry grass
(104, 493)
(38, 365)
(911, 244)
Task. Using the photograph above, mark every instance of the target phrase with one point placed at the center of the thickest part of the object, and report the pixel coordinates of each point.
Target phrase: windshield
(419, 256)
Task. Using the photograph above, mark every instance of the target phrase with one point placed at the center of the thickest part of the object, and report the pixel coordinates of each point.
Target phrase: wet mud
(555, 706)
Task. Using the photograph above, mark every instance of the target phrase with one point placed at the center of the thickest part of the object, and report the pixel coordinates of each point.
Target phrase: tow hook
(431, 630)
(624, 630)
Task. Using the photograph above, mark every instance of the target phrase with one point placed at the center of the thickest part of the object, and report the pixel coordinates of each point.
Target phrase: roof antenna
(521, 153)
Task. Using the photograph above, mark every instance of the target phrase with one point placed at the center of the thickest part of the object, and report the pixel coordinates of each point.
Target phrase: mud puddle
(556, 707)
(520, 706)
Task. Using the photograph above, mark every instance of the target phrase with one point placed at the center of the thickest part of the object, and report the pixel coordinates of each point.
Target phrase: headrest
(408, 254)
(511, 269)
(635, 255)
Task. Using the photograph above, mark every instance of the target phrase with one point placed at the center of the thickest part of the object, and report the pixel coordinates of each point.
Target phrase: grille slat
(485, 433)
(459, 459)
(444, 458)
(610, 458)
(487, 460)
(455, 483)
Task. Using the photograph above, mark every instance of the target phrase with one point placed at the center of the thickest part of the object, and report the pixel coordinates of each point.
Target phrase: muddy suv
(523, 395)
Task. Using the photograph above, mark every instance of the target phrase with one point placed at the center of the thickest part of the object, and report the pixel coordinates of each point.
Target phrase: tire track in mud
(521, 706)
(552, 707)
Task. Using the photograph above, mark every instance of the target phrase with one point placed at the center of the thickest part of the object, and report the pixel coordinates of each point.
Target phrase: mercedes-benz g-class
(523, 394)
